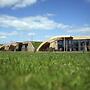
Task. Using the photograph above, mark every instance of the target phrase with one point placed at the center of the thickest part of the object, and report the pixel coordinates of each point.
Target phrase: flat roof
(81, 37)
(67, 36)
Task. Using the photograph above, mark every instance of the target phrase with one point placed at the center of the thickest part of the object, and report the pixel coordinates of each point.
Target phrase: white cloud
(39, 23)
(49, 14)
(83, 29)
(6, 34)
(63, 26)
(9, 33)
(16, 3)
(31, 23)
(2, 37)
(31, 34)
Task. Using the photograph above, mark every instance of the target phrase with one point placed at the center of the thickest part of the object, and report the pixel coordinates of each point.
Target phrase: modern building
(66, 43)
(18, 46)
(1, 47)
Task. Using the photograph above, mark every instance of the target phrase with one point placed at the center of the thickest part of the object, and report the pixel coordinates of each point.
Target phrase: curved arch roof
(52, 40)
(62, 37)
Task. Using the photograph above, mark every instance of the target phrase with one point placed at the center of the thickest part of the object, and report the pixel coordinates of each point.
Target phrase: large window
(61, 45)
(80, 45)
(75, 45)
(68, 45)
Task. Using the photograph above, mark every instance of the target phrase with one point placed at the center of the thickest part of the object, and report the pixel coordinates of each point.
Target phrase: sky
(38, 20)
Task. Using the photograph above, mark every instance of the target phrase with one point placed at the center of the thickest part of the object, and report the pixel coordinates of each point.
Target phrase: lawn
(44, 71)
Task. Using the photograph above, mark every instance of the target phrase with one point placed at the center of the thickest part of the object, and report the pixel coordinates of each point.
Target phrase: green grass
(44, 71)
(36, 44)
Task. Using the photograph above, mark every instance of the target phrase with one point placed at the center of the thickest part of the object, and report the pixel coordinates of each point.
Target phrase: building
(2, 47)
(18, 46)
(66, 43)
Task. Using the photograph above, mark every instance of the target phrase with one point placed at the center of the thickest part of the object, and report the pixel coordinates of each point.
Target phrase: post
(64, 44)
(85, 46)
(70, 45)
(57, 45)
(79, 46)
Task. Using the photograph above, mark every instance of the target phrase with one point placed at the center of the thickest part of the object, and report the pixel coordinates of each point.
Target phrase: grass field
(36, 44)
(44, 71)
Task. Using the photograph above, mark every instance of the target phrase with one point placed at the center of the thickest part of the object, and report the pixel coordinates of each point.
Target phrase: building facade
(66, 43)
(18, 46)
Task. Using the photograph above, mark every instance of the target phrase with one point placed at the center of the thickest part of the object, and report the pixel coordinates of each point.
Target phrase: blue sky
(38, 20)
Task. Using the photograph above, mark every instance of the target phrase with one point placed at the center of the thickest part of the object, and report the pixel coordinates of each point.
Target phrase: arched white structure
(66, 43)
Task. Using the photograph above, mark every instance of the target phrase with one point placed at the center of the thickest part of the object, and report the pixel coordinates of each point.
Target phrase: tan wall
(6, 48)
(30, 47)
(54, 45)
